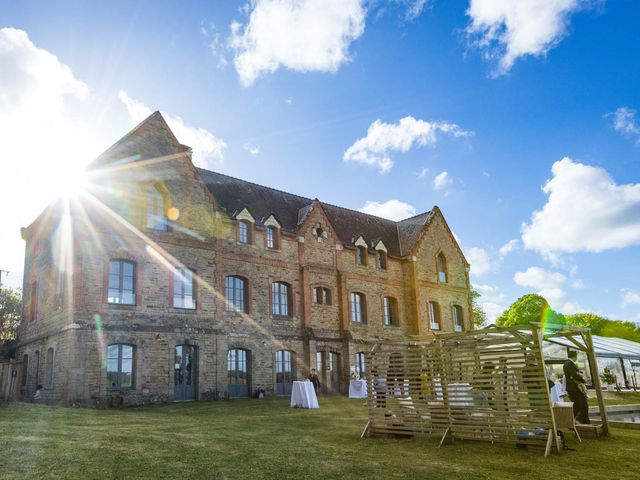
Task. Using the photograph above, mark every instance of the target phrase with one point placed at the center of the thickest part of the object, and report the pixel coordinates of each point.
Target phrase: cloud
(393, 209)
(507, 30)
(479, 259)
(493, 310)
(630, 297)
(423, 173)
(539, 279)
(207, 148)
(384, 138)
(415, 8)
(624, 122)
(585, 211)
(441, 181)
(508, 247)
(489, 293)
(46, 137)
(252, 149)
(304, 36)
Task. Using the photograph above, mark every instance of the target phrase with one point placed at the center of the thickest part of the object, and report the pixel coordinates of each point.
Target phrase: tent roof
(607, 347)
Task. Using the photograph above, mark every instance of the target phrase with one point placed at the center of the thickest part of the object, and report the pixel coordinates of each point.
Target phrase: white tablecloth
(303, 395)
(357, 389)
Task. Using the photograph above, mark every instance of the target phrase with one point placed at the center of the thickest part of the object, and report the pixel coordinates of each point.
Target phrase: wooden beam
(595, 378)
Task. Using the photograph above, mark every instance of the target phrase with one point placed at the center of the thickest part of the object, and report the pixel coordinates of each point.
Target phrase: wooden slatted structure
(488, 385)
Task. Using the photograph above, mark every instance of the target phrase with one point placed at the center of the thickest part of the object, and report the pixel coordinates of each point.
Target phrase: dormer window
(361, 256)
(156, 217)
(382, 260)
(272, 238)
(244, 232)
(442, 268)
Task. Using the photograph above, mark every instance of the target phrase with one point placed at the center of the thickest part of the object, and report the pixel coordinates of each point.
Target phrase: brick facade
(69, 247)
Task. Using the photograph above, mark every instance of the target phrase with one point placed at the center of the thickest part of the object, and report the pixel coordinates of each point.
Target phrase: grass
(262, 439)
(615, 398)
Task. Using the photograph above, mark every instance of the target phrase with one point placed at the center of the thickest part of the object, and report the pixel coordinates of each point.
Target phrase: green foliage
(527, 309)
(479, 315)
(10, 313)
(605, 327)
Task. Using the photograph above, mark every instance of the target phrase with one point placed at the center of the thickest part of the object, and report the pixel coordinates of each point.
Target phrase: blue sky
(471, 106)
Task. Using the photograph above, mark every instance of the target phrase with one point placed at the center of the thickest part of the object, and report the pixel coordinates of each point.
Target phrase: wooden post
(595, 377)
(537, 336)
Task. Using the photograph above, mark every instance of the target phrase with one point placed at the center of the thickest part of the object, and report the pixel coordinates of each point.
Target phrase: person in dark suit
(576, 388)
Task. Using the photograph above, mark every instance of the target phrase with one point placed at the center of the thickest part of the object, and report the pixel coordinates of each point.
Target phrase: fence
(10, 380)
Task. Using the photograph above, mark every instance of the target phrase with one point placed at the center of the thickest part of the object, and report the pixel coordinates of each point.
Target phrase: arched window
(322, 296)
(458, 319)
(361, 256)
(244, 232)
(37, 362)
(184, 289)
(281, 299)
(120, 366)
(25, 370)
(360, 364)
(434, 315)
(122, 282)
(238, 372)
(390, 309)
(442, 268)
(284, 372)
(358, 308)
(272, 238)
(156, 211)
(237, 294)
(49, 371)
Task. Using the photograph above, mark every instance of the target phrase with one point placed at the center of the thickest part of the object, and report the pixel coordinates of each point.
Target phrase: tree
(605, 327)
(10, 314)
(528, 309)
(479, 315)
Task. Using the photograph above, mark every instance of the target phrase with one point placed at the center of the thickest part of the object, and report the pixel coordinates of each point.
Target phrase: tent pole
(595, 377)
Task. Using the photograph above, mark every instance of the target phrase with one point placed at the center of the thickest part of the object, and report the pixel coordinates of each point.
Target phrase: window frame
(180, 275)
(360, 358)
(433, 310)
(321, 295)
(441, 268)
(271, 238)
(358, 309)
(458, 317)
(33, 301)
(278, 306)
(361, 256)
(49, 370)
(119, 371)
(244, 230)
(390, 311)
(120, 288)
(231, 307)
(382, 260)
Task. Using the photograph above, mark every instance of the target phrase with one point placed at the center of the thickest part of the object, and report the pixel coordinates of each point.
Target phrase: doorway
(184, 373)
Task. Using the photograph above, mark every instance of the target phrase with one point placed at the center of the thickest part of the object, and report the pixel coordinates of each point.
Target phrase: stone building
(163, 281)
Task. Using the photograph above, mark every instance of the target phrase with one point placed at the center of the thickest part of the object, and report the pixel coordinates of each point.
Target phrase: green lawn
(264, 439)
(614, 398)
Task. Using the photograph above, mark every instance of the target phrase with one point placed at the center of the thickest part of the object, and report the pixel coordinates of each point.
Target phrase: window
(33, 301)
(390, 311)
(272, 237)
(120, 366)
(25, 370)
(360, 364)
(156, 218)
(244, 232)
(382, 260)
(284, 372)
(236, 294)
(37, 368)
(184, 289)
(358, 308)
(49, 371)
(319, 362)
(442, 268)
(238, 372)
(122, 284)
(434, 316)
(361, 256)
(281, 299)
(322, 296)
(458, 322)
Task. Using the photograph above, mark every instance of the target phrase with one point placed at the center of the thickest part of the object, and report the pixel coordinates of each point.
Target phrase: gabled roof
(233, 194)
(151, 138)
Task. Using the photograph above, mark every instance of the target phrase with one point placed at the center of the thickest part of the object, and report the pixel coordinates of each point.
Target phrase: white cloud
(508, 247)
(493, 310)
(539, 279)
(630, 297)
(585, 211)
(46, 137)
(489, 293)
(423, 173)
(509, 29)
(624, 122)
(415, 8)
(303, 36)
(392, 209)
(252, 149)
(207, 148)
(441, 181)
(479, 259)
(383, 138)
(570, 308)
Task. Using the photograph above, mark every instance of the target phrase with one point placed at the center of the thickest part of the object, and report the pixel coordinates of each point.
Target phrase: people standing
(315, 380)
(576, 388)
